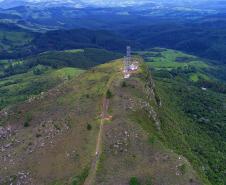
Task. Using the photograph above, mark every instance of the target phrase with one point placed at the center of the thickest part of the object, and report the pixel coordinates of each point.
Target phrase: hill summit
(91, 130)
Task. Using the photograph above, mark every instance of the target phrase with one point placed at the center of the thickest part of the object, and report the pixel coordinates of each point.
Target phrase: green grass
(15, 36)
(192, 120)
(10, 39)
(134, 181)
(3, 62)
(20, 87)
(74, 51)
(69, 106)
(195, 77)
(67, 72)
(80, 179)
(190, 128)
(78, 58)
(170, 59)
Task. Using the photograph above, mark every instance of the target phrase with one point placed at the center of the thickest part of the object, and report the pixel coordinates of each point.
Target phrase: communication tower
(128, 54)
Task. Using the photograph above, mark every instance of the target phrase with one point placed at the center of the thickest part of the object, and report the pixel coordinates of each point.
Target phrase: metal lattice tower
(126, 64)
(128, 54)
(127, 59)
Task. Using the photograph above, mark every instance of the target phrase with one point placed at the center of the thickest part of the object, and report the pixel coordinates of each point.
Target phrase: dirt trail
(90, 180)
(92, 173)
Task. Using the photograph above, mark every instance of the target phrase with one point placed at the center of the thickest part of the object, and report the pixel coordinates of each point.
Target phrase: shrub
(134, 181)
(26, 124)
(109, 94)
(89, 127)
(38, 135)
(124, 84)
(38, 70)
(28, 118)
(80, 179)
(152, 139)
(182, 169)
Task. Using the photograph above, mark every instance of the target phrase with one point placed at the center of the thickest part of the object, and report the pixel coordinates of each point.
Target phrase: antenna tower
(128, 54)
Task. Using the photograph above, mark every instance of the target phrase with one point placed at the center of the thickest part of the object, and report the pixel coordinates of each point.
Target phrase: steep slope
(80, 38)
(192, 93)
(21, 79)
(79, 58)
(12, 37)
(67, 135)
(20, 44)
(21, 87)
(52, 138)
(131, 153)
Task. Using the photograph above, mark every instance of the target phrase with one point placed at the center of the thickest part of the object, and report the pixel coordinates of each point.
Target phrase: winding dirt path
(90, 180)
(92, 173)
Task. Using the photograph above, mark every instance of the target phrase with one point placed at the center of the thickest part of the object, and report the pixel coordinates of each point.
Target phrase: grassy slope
(130, 147)
(168, 59)
(80, 58)
(193, 125)
(192, 120)
(18, 88)
(55, 124)
(10, 39)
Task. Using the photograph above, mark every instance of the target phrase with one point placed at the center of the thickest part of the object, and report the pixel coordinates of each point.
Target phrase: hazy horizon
(113, 2)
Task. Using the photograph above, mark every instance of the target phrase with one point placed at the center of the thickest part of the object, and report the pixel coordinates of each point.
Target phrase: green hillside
(66, 121)
(80, 58)
(160, 58)
(18, 88)
(72, 112)
(16, 42)
(197, 71)
(158, 127)
(20, 79)
(12, 37)
(192, 111)
(193, 124)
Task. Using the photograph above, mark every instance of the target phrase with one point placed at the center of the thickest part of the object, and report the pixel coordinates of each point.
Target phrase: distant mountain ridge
(97, 3)
(46, 3)
(68, 3)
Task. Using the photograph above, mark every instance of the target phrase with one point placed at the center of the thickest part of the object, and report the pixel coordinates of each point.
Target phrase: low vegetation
(62, 122)
(193, 123)
(78, 58)
(130, 147)
(80, 179)
(108, 94)
(159, 58)
(134, 181)
(17, 88)
(85, 58)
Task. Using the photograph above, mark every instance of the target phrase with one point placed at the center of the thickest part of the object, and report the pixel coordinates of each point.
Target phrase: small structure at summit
(129, 64)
